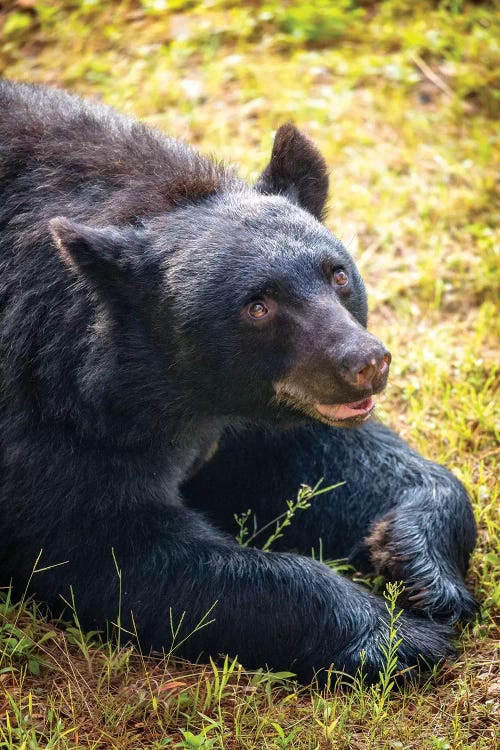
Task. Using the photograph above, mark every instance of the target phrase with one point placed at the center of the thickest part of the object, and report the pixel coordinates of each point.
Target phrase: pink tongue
(345, 411)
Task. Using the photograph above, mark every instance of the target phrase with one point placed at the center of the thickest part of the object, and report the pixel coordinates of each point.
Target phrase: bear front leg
(193, 589)
(280, 610)
(394, 513)
(426, 541)
(421, 524)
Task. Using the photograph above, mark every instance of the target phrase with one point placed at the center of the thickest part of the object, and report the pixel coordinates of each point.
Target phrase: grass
(400, 96)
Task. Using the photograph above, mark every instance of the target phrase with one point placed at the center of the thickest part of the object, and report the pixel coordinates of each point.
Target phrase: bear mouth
(352, 413)
(337, 415)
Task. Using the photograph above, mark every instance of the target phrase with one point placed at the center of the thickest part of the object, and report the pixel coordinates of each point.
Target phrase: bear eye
(258, 310)
(340, 277)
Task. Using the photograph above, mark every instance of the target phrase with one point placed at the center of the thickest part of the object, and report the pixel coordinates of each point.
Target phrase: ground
(400, 96)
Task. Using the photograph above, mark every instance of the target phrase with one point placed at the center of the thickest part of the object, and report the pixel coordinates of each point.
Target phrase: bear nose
(363, 371)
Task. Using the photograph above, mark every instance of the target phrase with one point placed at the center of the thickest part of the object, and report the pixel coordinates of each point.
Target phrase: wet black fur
(125, 357)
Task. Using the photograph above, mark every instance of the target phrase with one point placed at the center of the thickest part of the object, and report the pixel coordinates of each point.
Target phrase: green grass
(401, 98)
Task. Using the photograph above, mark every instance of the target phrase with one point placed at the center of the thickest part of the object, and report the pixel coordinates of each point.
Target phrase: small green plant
(315, 23)
(281, 522)
(194, 741)
(381, 692)
(217, 687)
(178, 637)
(85, 640)
(20, 646)
(285, 739)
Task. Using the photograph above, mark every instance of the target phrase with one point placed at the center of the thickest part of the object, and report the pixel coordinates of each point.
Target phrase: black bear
(153, 307)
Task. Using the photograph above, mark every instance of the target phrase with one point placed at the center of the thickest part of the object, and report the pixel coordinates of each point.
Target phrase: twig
(431, 76)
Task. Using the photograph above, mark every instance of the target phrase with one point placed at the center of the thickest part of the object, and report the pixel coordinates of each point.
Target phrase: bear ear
(297, 170)
(101, 256)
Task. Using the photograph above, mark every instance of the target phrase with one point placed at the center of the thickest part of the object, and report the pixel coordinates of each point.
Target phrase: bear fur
(177, 346)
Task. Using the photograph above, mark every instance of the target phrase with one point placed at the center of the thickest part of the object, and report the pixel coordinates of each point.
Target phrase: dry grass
(400, 97)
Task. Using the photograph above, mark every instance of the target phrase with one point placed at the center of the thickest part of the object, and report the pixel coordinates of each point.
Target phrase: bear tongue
(345, 411)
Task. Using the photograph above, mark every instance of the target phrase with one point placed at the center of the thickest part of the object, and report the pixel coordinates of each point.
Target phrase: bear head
(255, 309)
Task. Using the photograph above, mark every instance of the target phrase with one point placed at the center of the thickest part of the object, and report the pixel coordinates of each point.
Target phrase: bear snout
(366, 369)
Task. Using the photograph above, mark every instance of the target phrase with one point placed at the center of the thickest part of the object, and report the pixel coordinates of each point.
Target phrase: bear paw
(399, 551)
